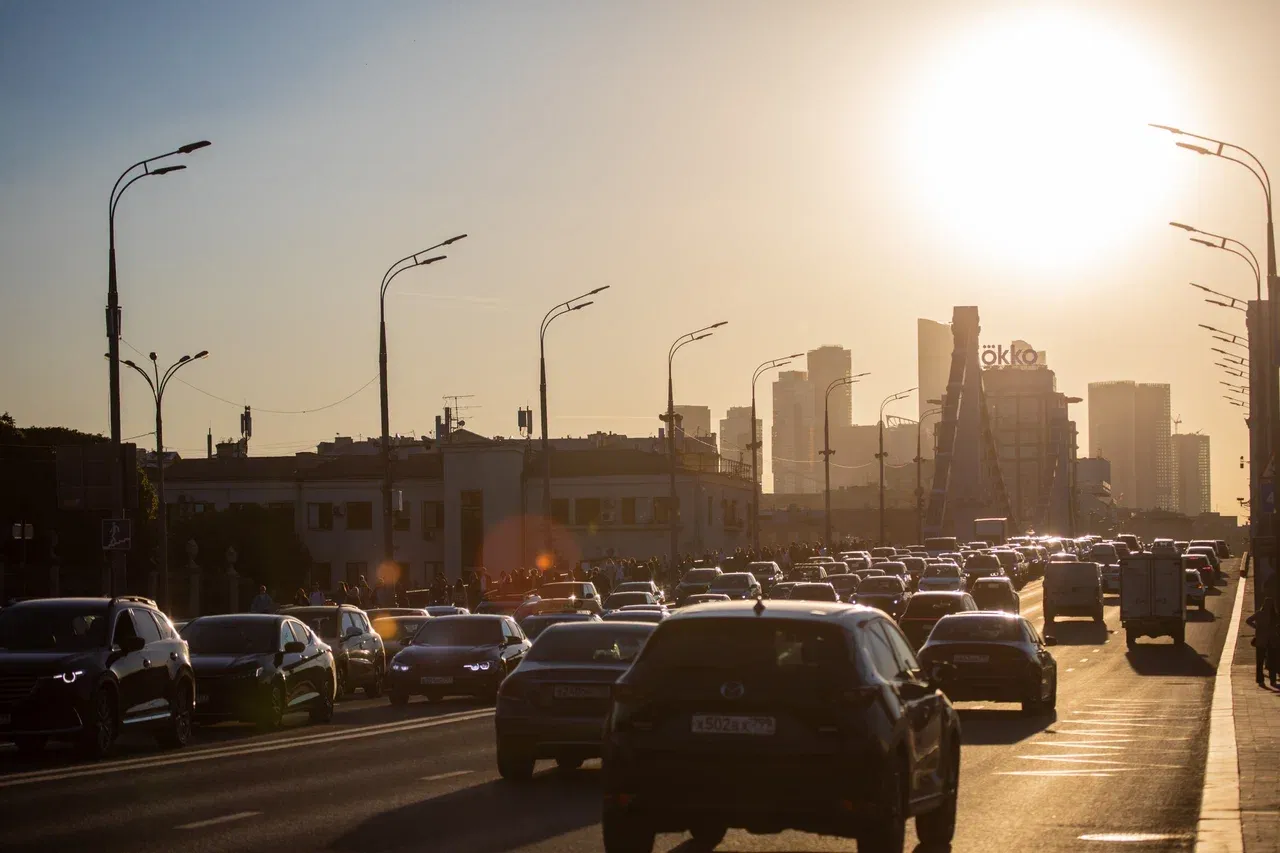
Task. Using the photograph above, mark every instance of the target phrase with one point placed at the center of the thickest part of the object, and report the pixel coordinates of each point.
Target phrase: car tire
(322, 710)
(1048, 617)
(936, 828)
(342, 683)
(176, 731)
(272, 716)
(1099, 615)
(625, 834)
(102, 724)
(707, 837)
(1130, 639)
(373, 689)
(399, 698)
(889, 831)
(1051, 704)
(30, 745)
(514, 765)
(1180, 636)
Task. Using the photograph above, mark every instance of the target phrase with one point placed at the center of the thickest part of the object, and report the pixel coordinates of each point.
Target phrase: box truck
(993, 531)
(1152, 597)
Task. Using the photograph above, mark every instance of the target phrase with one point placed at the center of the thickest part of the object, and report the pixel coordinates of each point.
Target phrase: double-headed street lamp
(574, 304)
(892, 398)
(1225, 244)
(1231, 370)
(158, 386)
(920, 461)
(757, 443)
(417, 259)
(118, 473)
(827, 451)
(1238, 304)
(672, 509)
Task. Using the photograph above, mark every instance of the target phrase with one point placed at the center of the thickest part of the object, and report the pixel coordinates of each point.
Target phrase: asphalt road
(1122, 761)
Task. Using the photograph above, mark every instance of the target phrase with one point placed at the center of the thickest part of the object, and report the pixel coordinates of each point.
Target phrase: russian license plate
(971, 658)
(721, 724)
(581, 691)
(5, 719)
(437, 679)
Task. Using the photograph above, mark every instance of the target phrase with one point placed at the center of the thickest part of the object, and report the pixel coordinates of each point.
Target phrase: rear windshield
(764, 646)
(913, 564)
(982, 561)
(931, 605)
(535, 625)
(731, 581)
(990, 594)
(701, 575)
(232, 636)
(763, 568)
(459, 631)
(325, 625)
(884, 584)
(615, 644)
(942, 572)
(635, 586)
(977, 629)
(560, 590)
(620, 599)
(813, 592)
(844, 581)
(56, 627)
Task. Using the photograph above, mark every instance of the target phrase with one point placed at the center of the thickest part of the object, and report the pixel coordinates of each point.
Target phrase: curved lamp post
(757, 443)
(672, 511)
(827, 451)
(892, 398)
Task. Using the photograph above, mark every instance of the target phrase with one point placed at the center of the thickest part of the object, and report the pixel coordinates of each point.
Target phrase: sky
(813, 173)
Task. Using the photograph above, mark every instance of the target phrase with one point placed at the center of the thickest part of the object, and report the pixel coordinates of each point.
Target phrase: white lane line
(1219, 829)
(210, 754)
(214, 821)
(452, 774)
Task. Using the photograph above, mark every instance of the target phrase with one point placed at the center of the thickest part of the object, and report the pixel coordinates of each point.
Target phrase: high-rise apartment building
(695, 421)
(826, 365)
(1191, 493)
(735, 438)
(1129, 425)
(793, 440)
(934, 345)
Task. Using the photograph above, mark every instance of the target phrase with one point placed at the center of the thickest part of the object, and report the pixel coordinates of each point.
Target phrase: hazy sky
(814, 173)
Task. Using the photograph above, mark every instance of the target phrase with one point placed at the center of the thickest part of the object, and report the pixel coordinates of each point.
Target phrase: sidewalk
(1257, 720)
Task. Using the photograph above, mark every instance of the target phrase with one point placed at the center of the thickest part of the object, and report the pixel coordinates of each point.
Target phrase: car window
(145, 626)
(992, 630)
(167, 631)
(876, 644)
(901, 648)
(286, 635)
(298, 630)
(124, 629)
(348, 622)
(969, 602)
(1032, 634)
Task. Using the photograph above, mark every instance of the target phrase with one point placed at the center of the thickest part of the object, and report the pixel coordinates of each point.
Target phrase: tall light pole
(560, 310)
(827, 451)
(1226, 244)
(919, 460)
(901, 395)
(672, 511)
(405, 263)
(757, 444)
(118, 473)
(157, 386)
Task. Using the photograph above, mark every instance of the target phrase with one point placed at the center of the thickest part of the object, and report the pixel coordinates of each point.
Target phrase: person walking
(317, 594)
(1266, 639)
(262, 602)
(300, 598)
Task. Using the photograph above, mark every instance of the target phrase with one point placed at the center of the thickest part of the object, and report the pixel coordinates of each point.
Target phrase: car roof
(808, 611)
(476, 617)
(404, 616)
(979, 615)
(993, 581)
(585, 626)
(240, 617)
(935, 594)
(734, 575)
(318, 608)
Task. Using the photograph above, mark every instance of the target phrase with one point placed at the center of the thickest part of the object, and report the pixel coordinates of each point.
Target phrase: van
(1072, 589)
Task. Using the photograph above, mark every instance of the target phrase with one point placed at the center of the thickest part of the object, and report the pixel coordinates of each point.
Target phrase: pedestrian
(353, 595)
(459, 593)
(366, 591)
(384, 595)
(300, 598)
(262, 602)
(1266, 639)
(317, 595)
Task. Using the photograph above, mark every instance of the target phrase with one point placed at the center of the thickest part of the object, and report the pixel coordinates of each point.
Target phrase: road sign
(116, 534)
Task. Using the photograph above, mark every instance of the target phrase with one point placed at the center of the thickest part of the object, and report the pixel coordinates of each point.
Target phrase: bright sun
(1028, 141)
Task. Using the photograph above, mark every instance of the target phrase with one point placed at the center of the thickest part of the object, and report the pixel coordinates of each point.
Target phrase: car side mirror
(1051, 641)
(132, 644)
(293, 647)
(352, 633)
(939, 673)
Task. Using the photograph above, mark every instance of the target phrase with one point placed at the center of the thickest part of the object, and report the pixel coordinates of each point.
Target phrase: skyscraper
(826, 365)
(793, 447)
(1129, 425)
(694, 420)
(1191, 493)
(1153, 451)
(735, 437)
(934, 345)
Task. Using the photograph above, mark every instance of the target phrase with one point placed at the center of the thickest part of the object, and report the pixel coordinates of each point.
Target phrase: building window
(628, 511)
(320, 516)
(280, 506)
(586, 511)
(359, 515)
(432, 518)
(355, 571)
(662, 510)
(560, 510)
(239, 506)
(402, 516)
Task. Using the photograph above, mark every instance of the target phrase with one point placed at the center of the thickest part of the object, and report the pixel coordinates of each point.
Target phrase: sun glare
(1028, 140)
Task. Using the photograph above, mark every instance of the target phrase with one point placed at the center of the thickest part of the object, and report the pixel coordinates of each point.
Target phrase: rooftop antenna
(458, 410)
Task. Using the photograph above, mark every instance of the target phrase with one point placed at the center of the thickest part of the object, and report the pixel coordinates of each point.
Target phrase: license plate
(5, 719)
(720, 724)
(202, 698)
(971, 658)
(437, 679)
(581, 691)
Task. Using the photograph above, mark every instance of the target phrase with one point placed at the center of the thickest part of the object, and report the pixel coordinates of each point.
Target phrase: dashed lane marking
(214, 821)
(452, 774)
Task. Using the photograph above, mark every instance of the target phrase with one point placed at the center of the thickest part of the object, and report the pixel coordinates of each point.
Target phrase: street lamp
(901, 395)
(405, 263)
(672, 509)
(158, 386)
(560, 310)
(113, 332)
(1231, 370)
(1239, 389)
(1232, 357)
(827, 451)
(757, 443)
(1249, 257)
(920, 461)
(1233, 401)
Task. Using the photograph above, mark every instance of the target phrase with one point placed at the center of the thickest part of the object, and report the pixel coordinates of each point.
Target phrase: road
(1122, 761)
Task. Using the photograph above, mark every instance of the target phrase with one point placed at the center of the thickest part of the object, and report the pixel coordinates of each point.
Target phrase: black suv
(86, 669)
(776, 716)
(358, 652)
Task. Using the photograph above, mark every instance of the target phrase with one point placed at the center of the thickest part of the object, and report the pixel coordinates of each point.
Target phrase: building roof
(303, 467)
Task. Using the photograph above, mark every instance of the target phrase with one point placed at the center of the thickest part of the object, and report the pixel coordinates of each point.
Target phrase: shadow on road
(1153, 658)
(490, 818)
(1201, 615)
(1077, 633)
(991, 726)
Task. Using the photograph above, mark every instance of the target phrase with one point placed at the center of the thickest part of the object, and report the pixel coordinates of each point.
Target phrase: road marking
(1084, 660)
(214, 821)
(1134, 837)
(1097, 774)
(1219, 829)
(452, 774)
(59, 774)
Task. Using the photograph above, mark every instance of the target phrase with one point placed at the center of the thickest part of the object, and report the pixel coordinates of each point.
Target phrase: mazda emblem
(732, 690)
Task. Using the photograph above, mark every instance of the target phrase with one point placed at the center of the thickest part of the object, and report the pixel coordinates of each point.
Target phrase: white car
(945, 577)
(1194, 587)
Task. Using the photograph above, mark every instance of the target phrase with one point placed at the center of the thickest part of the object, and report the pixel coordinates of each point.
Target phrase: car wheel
(273, 711)
(29, 745)
(625, 834)
(176, 732)
(938, 827)
(568, 763)
(707, 837)
(373, 689)
(1130, 640)
(888, 834)
(514, 765)
(322, 711)
(1099, 615)
(100, 726)
(1180, 635)
(398, 697)
(342, 682)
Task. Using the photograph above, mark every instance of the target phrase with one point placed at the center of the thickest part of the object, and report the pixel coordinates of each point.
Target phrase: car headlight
(68, 677)
(399, 667)
(479, 666)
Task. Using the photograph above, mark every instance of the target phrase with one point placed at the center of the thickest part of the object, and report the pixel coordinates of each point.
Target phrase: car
(259, 667)
(554, 704)
(504, 603)
(856, 560)
(706, 597)
(925, 609)
(1201, 564)
(358, 651)
(80, 670)
(394, 630)
(915, 567)
(808, 573)
(894, 567)
(1035, 557)
(1211, 554)
(727, 719)
(625, 615)
(737, 585)
(584, 590)
(994, 657)
(1223, 549)
(618, 600)
(1073, 589)
(844, 585)
(642, 586)
(458, 656)
(627, 608)
(1012, 564)
(944, 577)
(534, 625)
(377, 613)
(996, 593)
(694, 582)
(1106, 555)
(1195, 591)
(888, 552)
(983, 566)
(888, 593)
(445, 610)
(782, 589)
(1063, 557)
(1131, 541)
(767, 573)
(813, 592)
(1181, 546)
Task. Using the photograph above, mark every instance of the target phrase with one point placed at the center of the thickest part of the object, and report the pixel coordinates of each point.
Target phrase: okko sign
(996, 355)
